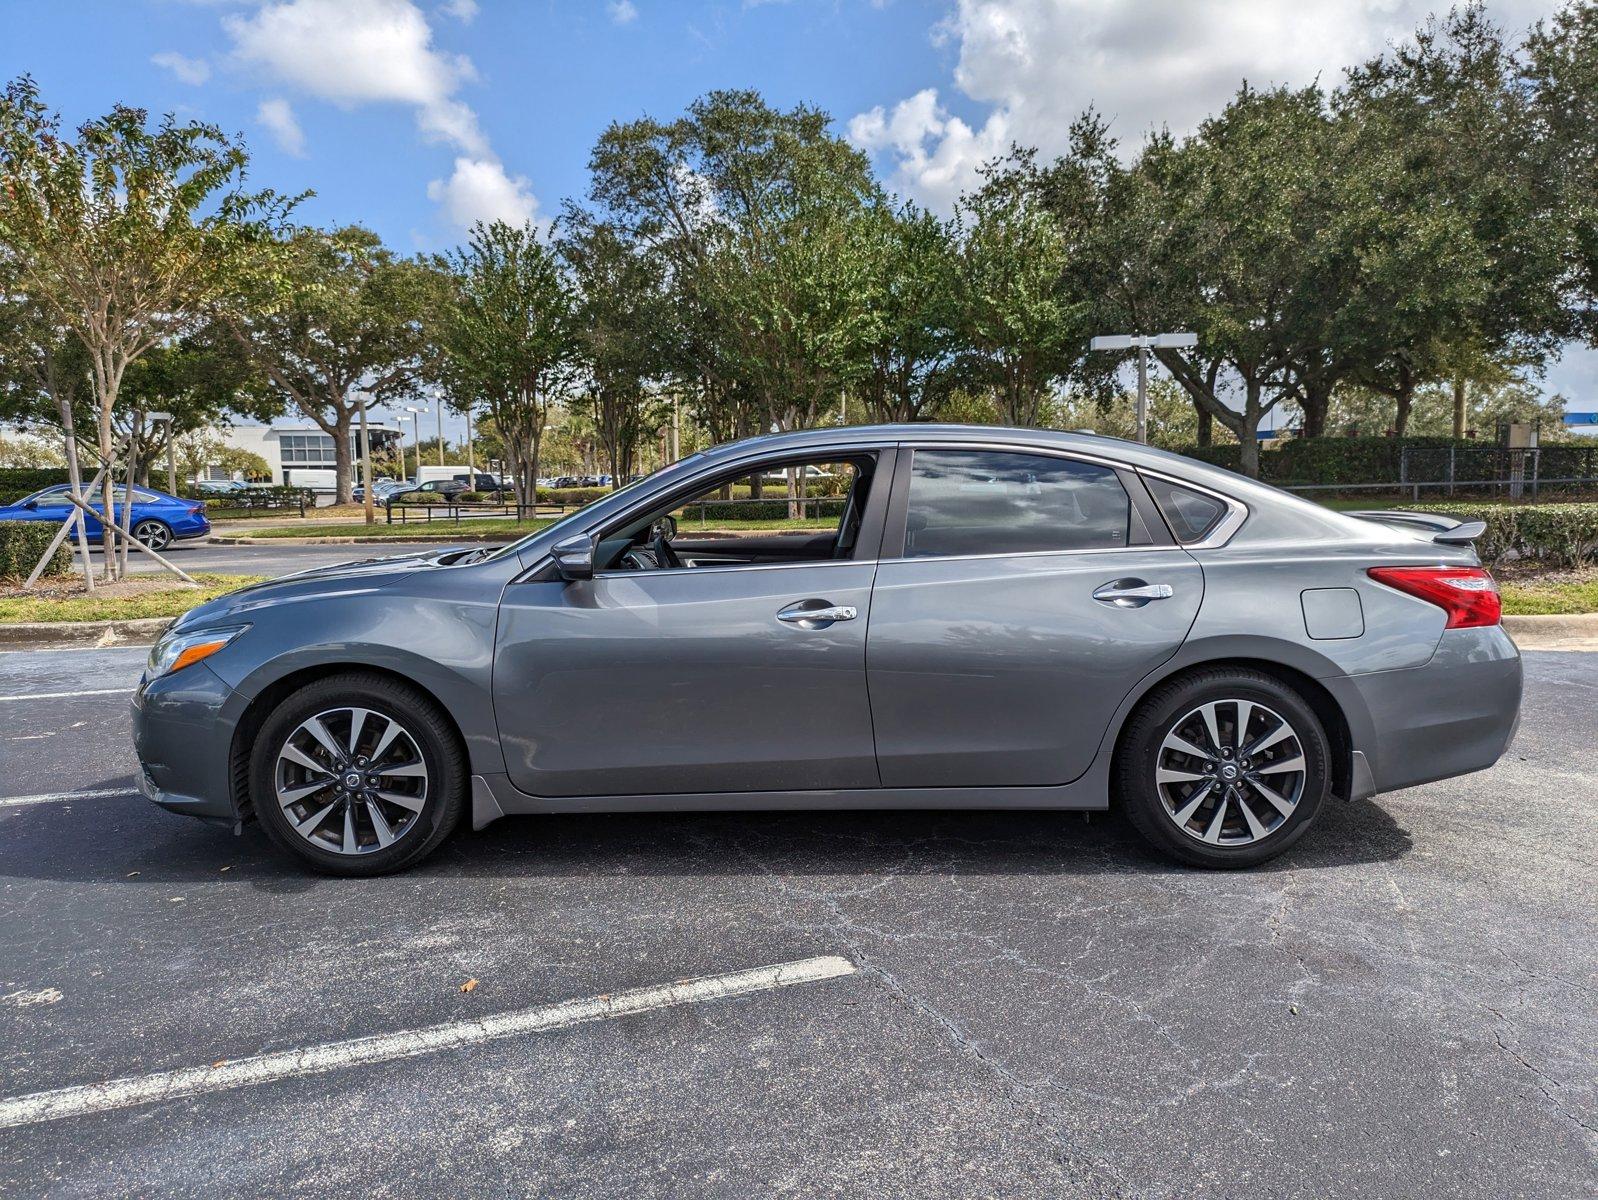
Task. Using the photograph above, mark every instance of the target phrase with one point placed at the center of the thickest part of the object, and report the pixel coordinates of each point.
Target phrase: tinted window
(1191, 515)
(999, 502)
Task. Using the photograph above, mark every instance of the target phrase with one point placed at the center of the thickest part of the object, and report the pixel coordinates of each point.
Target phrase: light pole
(163, 418)
(1143, 343)
(416, 426)
(441, 433)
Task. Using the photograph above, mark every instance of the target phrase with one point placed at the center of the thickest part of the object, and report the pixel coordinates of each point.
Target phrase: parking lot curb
(42, 635)
(1575, 631)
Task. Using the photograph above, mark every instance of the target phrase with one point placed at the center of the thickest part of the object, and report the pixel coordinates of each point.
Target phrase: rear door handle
(1132, 593)
(816, 614)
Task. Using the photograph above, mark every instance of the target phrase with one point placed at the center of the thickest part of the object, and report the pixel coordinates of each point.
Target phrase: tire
(157, 535)
(1159, 784)
(408, 784)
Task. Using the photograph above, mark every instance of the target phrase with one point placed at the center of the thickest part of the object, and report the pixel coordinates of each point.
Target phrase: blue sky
(415, 116)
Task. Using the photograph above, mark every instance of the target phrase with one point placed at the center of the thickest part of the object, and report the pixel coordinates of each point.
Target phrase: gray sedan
(961, 618)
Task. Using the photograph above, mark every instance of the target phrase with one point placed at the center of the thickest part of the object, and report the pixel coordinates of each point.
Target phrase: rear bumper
(1456, 714)
(183, 733)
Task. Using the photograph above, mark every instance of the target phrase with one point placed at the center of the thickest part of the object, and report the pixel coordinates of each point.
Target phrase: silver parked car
(969, 618)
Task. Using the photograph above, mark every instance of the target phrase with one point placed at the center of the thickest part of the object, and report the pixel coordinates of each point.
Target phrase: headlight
(178, 650)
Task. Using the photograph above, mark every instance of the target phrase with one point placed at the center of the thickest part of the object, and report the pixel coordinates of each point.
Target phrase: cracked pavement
(1403, 1006)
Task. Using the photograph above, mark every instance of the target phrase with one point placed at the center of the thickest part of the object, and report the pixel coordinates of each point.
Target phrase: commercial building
(301, 454)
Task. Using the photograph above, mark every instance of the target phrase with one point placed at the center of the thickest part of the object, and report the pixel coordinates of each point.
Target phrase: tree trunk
(1316, 401)
(343, 460)
(1206, 425)
(1459, 408)
(1406, 398)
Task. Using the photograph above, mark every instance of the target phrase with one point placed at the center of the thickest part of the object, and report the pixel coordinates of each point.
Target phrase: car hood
(347, 578)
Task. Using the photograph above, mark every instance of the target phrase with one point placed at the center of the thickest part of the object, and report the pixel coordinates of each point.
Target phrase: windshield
(571, 517)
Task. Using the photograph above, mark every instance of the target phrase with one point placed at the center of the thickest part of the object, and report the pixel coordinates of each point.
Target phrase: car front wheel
(358, 775)
(1223, 768)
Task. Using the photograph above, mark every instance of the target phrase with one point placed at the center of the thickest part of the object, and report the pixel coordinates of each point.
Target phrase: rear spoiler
(1451, 531)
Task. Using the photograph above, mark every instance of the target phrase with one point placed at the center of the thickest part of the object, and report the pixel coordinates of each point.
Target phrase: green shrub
(772, 509)
(571, 497)
(23, 542)
(1562, 535)
(17, 482)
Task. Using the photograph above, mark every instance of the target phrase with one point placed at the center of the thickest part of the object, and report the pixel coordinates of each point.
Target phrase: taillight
(1467, 594)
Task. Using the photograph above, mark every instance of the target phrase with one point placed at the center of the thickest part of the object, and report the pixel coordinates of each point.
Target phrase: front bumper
(183, 734)
(1456, 714)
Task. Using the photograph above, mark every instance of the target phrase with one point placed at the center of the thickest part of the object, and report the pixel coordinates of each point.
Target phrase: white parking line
(385, 1047)
(121, 691)
(66, 797)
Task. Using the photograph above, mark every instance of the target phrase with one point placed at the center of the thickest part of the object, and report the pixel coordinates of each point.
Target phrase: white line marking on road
(121, 691)
(385, 1047)
(66, 797)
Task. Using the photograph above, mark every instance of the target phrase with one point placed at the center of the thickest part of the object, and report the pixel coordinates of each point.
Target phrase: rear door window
(965, 502)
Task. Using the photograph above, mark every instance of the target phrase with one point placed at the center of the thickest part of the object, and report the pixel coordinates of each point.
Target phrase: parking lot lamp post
(1143, 343)
(416, 427)
(367, 500)
(161, 418)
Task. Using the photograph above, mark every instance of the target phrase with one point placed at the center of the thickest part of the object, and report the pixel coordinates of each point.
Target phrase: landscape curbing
(36, 635)
(1577, 631)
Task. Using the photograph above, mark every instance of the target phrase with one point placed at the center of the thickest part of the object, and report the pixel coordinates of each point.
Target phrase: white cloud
(355, 52)
(622, 12)
(362, 51)
(278, 117)
(1035, 65)
(480, 189)
(190, 70)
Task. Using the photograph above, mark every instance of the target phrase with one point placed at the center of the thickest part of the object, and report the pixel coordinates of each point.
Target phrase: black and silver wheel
(1223, 767)
(157, 535)
(358, 775)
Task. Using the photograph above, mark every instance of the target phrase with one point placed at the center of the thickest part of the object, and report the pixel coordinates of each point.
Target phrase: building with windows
(301, 455)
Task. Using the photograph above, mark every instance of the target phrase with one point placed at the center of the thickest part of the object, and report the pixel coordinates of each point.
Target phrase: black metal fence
(1499, 472)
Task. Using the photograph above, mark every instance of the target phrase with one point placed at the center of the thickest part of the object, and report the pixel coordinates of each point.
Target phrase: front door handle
(816, 614)
(1132, 593)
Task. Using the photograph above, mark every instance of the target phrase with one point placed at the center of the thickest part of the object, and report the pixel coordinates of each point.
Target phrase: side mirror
(30, 504)
(664, 527)
(574, 557)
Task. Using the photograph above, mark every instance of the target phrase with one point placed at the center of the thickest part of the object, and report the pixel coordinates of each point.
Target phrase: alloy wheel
(351, 780)
(153, 534)
(1230, 772)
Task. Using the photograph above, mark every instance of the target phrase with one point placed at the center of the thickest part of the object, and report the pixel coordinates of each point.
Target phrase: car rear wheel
(1223, 768)
(157, 535)
(358, 775)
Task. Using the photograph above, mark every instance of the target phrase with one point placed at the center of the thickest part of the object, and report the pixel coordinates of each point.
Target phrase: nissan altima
(937, 617)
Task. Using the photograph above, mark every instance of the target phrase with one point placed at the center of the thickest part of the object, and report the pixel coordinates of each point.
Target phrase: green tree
(910, 295)
(128, 234)
(509, 333)
(1561, 67)
(1469, 266)
(620, 317)
(342, 318)
(754, 213)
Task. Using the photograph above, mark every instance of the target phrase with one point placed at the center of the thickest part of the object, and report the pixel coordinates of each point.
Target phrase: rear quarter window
(1192, 515)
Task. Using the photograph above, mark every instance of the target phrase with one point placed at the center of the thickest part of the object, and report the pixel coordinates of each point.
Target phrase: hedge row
(762, 510)
(1562, 535)
(22, 543)
(1380, 459)
(17, 482)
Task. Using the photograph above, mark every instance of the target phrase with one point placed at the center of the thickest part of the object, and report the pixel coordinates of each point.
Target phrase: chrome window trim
(786, 566)
(929, 558)
(1043, 451)
(1236, 511)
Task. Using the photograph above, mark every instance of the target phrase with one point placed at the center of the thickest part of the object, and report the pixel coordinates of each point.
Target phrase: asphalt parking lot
(1031, 1004)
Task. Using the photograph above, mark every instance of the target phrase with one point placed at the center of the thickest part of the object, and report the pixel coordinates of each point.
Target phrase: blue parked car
(158, 519)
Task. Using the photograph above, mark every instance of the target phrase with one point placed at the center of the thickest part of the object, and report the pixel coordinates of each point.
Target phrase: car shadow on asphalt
(127, 839)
